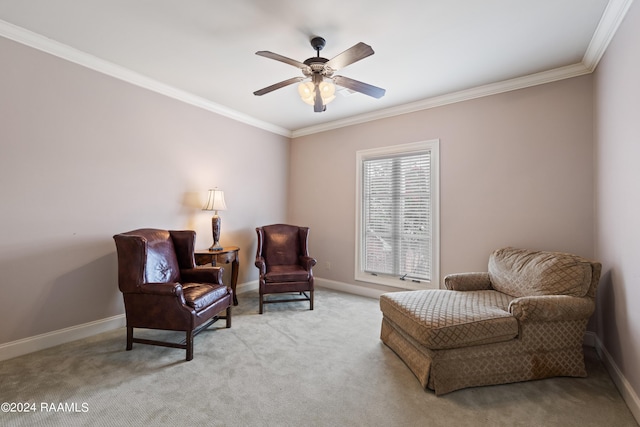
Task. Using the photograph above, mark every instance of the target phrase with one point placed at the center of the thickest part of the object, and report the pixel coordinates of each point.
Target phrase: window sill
(395, 282)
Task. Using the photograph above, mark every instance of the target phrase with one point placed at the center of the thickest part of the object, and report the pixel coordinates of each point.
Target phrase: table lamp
(215, 202)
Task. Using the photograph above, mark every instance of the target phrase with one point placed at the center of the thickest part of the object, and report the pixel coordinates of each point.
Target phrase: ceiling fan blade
(318, 107)
(361, 87)
(278, 86)
(351, 55)
(281, 58)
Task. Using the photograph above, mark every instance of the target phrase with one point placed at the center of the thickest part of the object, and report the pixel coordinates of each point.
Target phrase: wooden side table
(226, 255)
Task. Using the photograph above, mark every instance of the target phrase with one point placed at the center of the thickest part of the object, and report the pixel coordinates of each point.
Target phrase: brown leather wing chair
(284, 263)
(163, 289)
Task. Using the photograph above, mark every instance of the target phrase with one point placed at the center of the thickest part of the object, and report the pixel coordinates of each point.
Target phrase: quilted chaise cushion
(443, 319)
(521, 272)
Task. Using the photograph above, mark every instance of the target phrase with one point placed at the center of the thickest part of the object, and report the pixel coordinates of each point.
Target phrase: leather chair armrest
(203, 275)
(262, 266)
(164, 295)
(164, 289)
(551, 308)
(307, 262)
(468, 282)
(161, 288)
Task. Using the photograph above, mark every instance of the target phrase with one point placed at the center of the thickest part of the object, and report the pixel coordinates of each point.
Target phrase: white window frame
(360, 275)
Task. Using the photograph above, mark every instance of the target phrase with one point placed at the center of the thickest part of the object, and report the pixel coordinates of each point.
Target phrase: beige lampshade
(215, 201)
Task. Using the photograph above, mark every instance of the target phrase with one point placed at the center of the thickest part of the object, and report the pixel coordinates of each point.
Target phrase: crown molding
(611, 19)
(47, 45)
(451, 98)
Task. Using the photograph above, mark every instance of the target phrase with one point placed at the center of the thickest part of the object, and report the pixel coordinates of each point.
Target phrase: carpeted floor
(287, 367)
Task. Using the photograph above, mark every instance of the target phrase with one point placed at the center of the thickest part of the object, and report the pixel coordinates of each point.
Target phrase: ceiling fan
(319, 92)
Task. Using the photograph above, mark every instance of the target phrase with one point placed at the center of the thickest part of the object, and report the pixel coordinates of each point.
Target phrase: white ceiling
(203, 51)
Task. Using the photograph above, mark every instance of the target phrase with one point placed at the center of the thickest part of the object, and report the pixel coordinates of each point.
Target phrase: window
(397, 239)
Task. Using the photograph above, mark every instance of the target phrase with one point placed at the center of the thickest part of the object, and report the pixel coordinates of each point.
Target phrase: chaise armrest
(211, 275)
(307, 262)
(551, 308)
(468, 282)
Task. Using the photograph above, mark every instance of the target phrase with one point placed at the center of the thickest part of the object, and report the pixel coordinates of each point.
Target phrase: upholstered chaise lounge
(524, 319)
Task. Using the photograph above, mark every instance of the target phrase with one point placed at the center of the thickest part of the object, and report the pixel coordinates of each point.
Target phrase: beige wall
(617, 147)
(515, 169)
(85, 156)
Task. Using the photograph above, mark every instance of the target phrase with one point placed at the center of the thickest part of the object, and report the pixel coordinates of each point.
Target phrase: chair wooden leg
(311, 300)
(229, 317)
(189, 345)
(129, 337)
(261, 304)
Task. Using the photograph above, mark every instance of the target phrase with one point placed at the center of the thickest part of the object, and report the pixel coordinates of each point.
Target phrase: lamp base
(215, 228)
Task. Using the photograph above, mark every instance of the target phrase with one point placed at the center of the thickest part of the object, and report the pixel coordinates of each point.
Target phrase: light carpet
(288, 367)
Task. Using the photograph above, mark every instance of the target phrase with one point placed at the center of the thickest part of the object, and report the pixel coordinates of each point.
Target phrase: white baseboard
(246, 287)
(589, 339)
(322, 283)
(50, 339)
(348, 288)
(629, 395)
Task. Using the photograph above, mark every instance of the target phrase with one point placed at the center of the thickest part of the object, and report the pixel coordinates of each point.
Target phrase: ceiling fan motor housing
(317, 63)
(318, 43)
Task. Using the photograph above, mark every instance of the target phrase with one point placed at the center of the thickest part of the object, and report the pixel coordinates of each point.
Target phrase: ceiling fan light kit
(307, 92)
(313, 88)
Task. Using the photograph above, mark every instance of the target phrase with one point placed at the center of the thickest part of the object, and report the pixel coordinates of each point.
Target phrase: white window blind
(397, 220)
